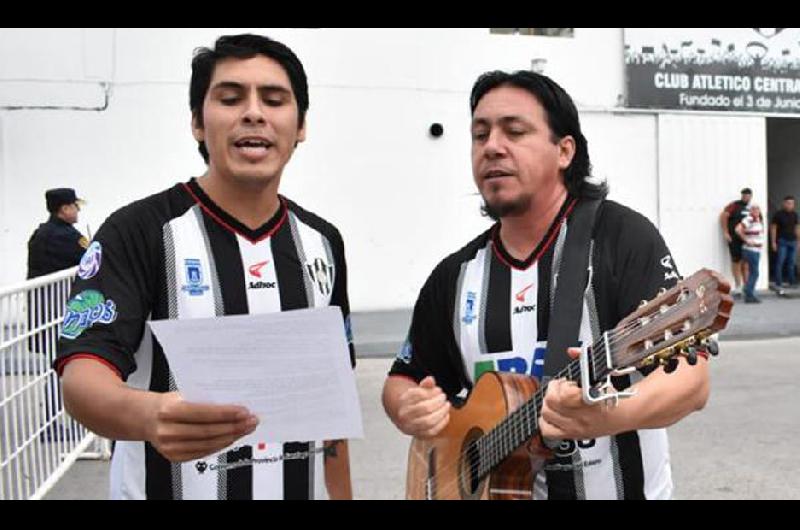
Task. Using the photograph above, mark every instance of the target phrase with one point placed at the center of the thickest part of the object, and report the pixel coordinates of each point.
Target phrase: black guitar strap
(571, 279)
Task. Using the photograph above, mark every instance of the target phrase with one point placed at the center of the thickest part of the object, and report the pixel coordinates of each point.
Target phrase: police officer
(56, 244)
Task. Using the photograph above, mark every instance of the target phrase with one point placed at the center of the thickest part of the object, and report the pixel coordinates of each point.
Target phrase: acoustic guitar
(491, 447)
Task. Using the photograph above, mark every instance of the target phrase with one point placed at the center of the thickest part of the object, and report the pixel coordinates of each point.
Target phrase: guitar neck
(693, 309)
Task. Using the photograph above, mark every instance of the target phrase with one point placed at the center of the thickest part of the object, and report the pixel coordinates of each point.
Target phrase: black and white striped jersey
(482, 310)
(176, 254)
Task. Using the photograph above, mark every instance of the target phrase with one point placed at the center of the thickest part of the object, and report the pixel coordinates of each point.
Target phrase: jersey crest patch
(194, 278)
(321, 273)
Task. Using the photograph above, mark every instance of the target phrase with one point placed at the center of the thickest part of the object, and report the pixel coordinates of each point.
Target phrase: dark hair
(747, 191)
(244, 46)
(562, 118)
(789, 198)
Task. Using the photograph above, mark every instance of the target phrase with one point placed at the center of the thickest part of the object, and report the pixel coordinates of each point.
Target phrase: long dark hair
(562, 118)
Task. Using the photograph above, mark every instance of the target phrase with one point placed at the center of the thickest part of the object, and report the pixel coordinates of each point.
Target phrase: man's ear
(566, 151)
(198, 131)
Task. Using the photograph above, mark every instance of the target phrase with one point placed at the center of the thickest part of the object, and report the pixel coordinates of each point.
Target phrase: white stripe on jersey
(655, 458)
(523, 318)
(263, 296)
(655, 461)
(195, 295)
(470, 302)
(260, 278)
(131, 463)
(195, 299)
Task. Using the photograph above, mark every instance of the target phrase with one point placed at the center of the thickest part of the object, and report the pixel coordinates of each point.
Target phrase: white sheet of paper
(291, 369)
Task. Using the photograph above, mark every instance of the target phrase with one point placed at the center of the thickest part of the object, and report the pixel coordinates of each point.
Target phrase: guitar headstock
(673, 323)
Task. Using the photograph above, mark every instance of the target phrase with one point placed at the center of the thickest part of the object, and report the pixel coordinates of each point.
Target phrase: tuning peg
(671, 365)
(643, 303)
(691, 355)
(712, 347)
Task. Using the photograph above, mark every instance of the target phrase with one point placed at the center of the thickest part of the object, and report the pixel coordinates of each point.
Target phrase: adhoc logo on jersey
(86, 309)
(321, 273)
(520, 297)
(255, 270)
(90, 262)
(194, 277)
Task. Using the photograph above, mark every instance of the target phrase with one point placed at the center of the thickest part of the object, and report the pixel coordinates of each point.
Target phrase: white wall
(401, 199)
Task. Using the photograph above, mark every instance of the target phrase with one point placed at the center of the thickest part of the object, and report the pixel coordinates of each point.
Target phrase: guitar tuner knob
(713, 347)
(671, 365)
(691, 355)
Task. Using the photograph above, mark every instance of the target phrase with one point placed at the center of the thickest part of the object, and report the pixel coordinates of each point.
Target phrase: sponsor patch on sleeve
(86, 309)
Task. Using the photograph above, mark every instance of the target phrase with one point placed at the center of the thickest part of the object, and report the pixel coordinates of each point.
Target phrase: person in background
(783, 234)
(56, 244)
(751, 231)
(731, 216)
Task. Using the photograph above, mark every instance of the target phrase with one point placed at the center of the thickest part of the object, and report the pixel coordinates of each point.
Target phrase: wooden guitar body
(440, 467)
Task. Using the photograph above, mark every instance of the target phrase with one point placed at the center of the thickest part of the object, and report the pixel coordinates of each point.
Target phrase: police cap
(60, 196)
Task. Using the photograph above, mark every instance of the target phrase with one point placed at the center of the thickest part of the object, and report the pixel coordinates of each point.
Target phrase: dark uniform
(56, 244)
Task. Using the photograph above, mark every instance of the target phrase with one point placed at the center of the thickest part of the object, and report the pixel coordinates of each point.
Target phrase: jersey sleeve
(109, 302)
(645, 264)
(430, 348)
(339, 294)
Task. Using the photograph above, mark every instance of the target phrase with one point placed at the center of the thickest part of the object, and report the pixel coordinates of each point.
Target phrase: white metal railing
(39, 441)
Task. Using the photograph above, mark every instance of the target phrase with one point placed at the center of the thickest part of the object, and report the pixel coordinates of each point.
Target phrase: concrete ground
(741, 446)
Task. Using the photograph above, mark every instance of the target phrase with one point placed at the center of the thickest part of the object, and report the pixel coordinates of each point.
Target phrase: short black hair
(789, 198)
(747, 191)
(244, 46)
(562, 118)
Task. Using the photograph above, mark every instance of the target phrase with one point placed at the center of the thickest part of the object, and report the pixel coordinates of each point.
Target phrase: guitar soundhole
(471, 480)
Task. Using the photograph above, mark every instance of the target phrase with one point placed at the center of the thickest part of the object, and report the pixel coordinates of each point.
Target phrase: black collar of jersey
(548, 239)
(232, 224)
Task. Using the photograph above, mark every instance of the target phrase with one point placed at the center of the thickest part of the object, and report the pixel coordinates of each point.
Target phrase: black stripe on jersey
(230, 273)
(498, 311)
(291, 285)
(630, 455)
(158, 470)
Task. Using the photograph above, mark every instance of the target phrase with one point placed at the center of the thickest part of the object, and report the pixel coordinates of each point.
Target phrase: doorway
(783, 169)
